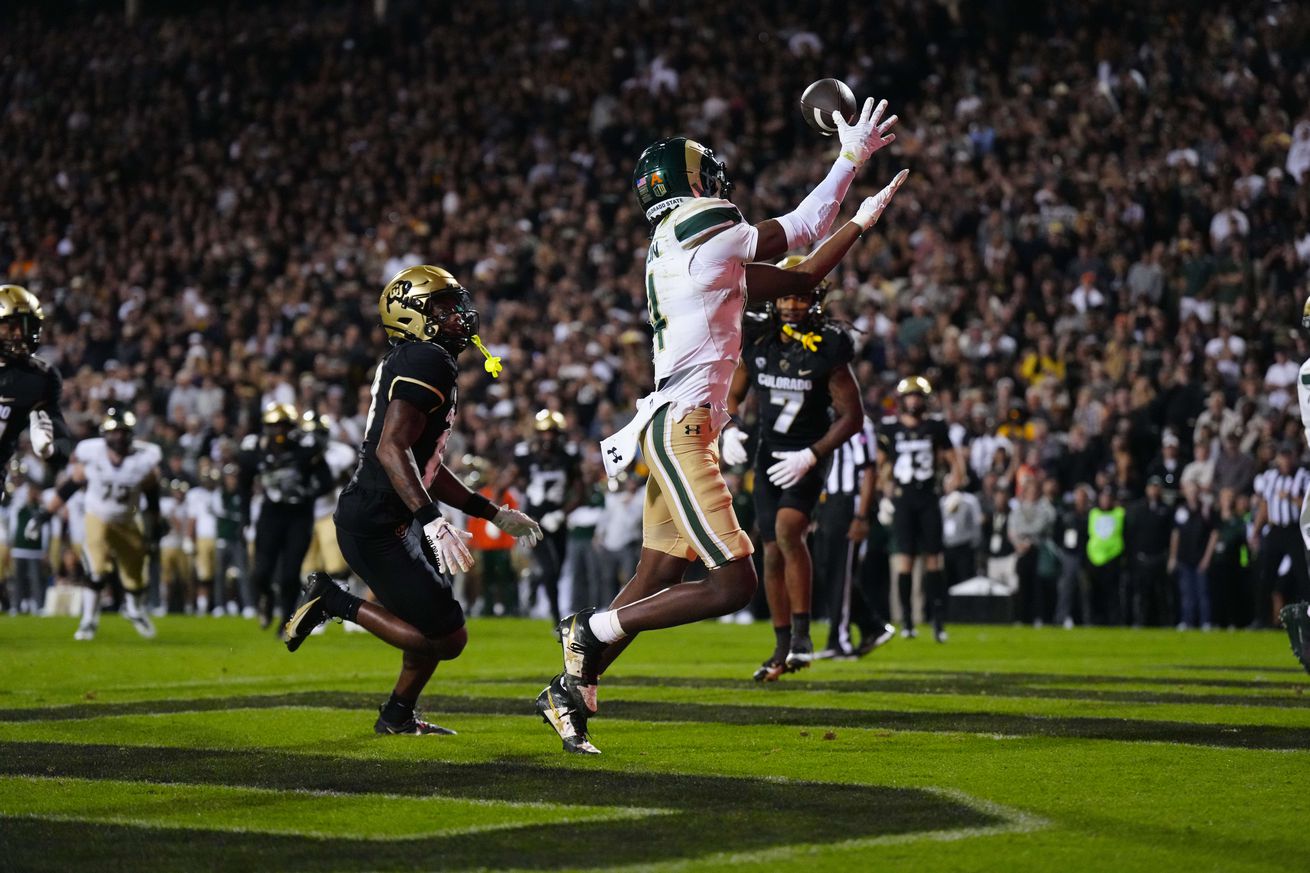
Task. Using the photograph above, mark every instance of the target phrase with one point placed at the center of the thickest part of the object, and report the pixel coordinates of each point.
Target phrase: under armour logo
(614, 454)
(692, 429)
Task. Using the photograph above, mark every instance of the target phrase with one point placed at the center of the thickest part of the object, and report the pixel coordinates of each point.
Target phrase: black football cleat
(563, 709)
(581, 647)
(876, 640)
(769, 671)
(1296, 619)
(310, 612)
(412, 727)
(801, 653)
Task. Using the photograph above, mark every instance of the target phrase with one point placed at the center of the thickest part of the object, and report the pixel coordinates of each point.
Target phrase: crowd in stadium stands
(1099, 259)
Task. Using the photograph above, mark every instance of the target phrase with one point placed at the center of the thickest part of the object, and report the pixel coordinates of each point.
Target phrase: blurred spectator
(1071, 531)
(1030, 525)
(619, 536)
(1105, 549)
(1229, 561)
(1148, 528)
(1190, 555)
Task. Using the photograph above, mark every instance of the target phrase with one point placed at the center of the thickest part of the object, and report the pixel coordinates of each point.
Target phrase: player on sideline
(388, 525)
(30, 388)
(699, 270)
(1296, 616)
(910, 447)
(809, 402)
(117, 471)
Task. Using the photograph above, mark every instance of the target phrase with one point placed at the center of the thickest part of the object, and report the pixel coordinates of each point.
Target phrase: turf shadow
(1080, 727)
(702, 813)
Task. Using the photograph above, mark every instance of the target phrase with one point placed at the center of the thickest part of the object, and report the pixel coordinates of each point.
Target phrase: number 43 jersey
(912, 452)
(791, 386)
(113, 491)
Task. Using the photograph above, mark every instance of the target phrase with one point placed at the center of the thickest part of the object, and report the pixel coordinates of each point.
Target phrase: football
(822, 99)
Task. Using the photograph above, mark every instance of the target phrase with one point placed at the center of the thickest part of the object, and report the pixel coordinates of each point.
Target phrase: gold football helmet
(279, 413)
(427, 304)
(546, 420)
(17, 303)
(913, 385)
(117, 419)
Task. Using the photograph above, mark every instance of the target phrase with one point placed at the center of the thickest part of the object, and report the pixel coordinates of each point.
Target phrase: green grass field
(212, 748)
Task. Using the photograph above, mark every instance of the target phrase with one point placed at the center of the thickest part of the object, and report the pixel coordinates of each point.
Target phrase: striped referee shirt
(850, 458)
(1282, 494)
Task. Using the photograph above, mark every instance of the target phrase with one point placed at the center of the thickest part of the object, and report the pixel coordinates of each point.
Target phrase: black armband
(67, 490)
(427, 514)
(480, 507)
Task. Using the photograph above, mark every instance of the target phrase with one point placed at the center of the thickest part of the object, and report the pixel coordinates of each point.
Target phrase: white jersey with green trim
(695, 294)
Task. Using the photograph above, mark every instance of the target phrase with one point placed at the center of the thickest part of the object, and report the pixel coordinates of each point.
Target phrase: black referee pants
(838, 561)
(1281, 543)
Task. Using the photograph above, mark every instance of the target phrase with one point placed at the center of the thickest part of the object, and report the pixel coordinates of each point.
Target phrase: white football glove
(864, 136)
(552, 521)
(448, 542)
(188, 547)
(42, 432)
(871, 209)
(734, 446)
(518, 525)
(792, 467)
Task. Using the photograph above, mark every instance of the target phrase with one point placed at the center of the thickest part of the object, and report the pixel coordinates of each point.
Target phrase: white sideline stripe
(1016, 821)
(615, 813)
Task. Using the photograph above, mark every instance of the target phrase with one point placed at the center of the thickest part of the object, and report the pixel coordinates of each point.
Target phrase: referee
(840, 543)
(1276, 535)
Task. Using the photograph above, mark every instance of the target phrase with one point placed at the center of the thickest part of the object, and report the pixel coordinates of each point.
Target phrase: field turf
(212, 748)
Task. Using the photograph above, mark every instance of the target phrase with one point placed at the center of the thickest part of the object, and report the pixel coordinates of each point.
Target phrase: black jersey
(290, 473)
(422, 374)
(912, 452)
(791, 385)
(548, 473)
(27, 386)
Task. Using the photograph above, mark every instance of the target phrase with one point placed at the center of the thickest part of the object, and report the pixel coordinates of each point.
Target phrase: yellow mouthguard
(492, 365)
(809, 340)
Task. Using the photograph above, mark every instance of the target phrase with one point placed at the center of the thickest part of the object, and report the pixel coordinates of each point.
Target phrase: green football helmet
(673, 171)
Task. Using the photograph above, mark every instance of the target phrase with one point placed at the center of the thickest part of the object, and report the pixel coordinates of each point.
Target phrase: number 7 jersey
(913, 452)
(113, 491)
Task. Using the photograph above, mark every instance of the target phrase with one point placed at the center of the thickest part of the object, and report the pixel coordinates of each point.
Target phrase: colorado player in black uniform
(289, 465)
(911, 448)
(809, 404)
(548, 473)
(30, 388)
(388, 525)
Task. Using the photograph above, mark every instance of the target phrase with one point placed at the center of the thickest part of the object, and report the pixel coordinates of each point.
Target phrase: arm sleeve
(1303, 395)
(812, 218)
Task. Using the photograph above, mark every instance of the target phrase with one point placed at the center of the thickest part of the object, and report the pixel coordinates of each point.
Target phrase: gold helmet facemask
(20, 306)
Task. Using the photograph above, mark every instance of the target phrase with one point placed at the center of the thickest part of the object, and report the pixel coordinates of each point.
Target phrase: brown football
(822, 99)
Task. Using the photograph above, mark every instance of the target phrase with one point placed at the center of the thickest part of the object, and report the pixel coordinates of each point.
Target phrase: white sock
(90, 605)
(202, 604)
(130, 603)
(605, 625)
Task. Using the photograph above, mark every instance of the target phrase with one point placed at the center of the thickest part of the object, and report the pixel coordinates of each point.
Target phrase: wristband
(480, 507)
(425, 515)
(67, 490)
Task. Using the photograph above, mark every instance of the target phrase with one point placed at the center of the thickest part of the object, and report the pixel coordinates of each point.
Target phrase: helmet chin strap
(492, 363)
(807, 339)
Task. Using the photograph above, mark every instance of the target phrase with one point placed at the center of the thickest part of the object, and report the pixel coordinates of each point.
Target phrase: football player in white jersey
(704, 261)
(117, 471)
(324, 553)
(1296, 616)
